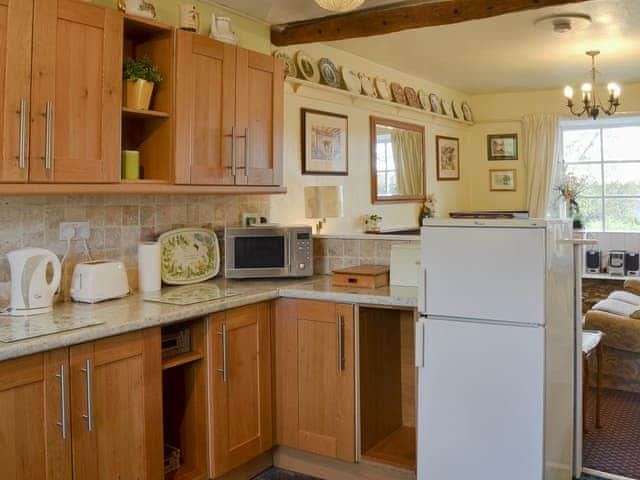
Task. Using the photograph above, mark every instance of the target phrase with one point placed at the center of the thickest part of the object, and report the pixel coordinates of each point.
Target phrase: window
(606, 154)
(386, 167)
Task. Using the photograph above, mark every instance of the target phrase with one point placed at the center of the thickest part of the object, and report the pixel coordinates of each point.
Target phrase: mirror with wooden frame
(397, 161)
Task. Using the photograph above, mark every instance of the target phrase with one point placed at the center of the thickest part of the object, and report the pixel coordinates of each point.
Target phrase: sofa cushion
(621, 332)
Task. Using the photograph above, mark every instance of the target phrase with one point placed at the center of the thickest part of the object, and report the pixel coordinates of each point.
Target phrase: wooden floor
(397, 449)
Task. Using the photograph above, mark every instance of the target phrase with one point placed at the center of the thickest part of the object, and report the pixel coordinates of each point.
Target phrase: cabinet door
(76, 93)
(116, 407)
(16, 17)
(35, 435)
(205, 99)
(259, 118)
(315, 387)
(241, 385)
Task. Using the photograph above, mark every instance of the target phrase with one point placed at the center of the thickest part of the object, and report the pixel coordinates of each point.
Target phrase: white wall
(289, 208)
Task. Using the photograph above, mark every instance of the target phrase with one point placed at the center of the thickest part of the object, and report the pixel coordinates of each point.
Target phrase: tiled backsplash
(332, 253)
(117, 223)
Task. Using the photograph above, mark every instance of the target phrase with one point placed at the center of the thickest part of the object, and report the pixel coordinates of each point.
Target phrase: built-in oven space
(387, 386)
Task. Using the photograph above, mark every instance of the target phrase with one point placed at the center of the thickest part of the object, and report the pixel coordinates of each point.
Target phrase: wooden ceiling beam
(366, 23)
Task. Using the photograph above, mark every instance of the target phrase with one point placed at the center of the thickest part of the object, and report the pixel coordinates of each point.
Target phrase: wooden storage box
(362, 276)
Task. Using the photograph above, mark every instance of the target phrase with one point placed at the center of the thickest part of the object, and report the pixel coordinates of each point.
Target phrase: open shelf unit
(300, 87)
(184, 398)
(151, 131)
(387, 386)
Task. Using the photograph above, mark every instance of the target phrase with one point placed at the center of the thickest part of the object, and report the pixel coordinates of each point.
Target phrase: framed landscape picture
(502, 180)
(325, 138)
(502, 147)
(448, 158)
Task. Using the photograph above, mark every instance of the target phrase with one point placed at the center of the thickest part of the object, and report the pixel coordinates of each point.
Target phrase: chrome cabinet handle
(63, 402)
(22, 111)
(234, 137)
(89, 416)
(246, 149)
(48, 138)
(223, 370)
(340, 343)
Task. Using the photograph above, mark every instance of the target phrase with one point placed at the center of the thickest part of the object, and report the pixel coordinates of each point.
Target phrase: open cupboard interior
(387, 386)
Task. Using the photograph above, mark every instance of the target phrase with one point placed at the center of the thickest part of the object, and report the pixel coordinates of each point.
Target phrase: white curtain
(407, 153)
(541, 142)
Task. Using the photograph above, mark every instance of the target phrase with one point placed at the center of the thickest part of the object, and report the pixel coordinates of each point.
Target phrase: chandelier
(591, 103)
(339, 5)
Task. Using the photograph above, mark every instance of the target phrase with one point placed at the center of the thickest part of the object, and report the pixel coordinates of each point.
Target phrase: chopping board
(362, 276)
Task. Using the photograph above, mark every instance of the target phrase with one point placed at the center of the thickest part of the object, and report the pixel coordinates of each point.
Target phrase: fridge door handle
(422, 289)
(419, 343)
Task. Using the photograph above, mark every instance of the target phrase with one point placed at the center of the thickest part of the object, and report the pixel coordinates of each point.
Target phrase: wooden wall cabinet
(94, 409)
(60, 83)
(229, 114)
(314, 377)
(240, 382)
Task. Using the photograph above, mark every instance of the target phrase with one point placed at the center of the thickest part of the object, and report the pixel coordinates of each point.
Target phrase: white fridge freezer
(495, 350)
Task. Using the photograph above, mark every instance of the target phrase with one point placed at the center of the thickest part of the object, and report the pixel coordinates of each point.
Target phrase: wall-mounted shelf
(300, 87)
(135, 113)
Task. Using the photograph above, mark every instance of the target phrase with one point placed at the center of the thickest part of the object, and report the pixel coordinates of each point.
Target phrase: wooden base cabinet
(93, 411)
(240, 385)
(314, 377)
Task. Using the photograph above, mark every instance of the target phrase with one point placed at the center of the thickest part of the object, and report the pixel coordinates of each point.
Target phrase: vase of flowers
(428, 208)
(372, 223)
(569, 189)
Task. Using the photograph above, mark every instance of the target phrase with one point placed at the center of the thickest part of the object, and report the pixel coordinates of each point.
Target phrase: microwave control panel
(302, 258)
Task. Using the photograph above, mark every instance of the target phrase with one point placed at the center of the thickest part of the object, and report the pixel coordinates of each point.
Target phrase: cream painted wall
(501, 113)
(252, 34)
(290, 208)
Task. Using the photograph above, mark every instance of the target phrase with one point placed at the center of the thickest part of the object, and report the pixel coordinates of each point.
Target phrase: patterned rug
(615, 448)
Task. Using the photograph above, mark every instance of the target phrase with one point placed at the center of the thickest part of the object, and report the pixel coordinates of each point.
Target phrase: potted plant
(141, 76)
(428, 209)
(372, 222)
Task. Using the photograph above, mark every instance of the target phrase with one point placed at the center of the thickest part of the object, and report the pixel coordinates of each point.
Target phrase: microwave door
(255, 256)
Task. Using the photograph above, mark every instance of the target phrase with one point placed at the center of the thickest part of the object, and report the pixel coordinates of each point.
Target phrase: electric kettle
(31, 293)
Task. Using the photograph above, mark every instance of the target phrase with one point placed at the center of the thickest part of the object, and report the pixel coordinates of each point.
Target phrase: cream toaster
(97, 281)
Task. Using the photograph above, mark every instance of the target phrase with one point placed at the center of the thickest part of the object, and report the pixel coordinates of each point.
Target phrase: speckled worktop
(133, 313)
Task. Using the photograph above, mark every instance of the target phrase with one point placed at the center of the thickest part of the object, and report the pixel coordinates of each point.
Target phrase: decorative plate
(382, 86)
(307, 67)
(351, 80)
(436, 103)
(446, 108)
(423, 97)
(290, 69)
(457, 109)
(412, 97)
(189, 255)
(466, 111)
(398, 93)
(329, 73)
(367, 85)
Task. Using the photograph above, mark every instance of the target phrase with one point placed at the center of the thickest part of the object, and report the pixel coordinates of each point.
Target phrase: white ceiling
(506, 53)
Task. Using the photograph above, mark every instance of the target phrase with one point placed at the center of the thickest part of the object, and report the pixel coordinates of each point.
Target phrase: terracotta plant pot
(137, 94)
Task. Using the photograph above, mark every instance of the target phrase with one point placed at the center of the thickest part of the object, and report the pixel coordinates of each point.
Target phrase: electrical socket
(74, 231)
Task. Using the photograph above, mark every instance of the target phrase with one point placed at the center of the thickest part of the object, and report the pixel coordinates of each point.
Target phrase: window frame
(608, 123)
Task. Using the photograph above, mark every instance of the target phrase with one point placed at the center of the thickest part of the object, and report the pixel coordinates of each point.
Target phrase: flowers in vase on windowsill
(428, 208)
(570, 188)
(372, 223)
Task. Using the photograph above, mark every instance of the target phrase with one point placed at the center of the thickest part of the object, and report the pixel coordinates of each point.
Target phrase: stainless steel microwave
(268, 252)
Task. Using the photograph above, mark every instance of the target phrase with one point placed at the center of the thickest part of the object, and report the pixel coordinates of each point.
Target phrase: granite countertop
(133, 313)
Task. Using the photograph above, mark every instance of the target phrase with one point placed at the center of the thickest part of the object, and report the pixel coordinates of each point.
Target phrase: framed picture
(325, 139)
(502, 180)
(502, 147)
(448, 158)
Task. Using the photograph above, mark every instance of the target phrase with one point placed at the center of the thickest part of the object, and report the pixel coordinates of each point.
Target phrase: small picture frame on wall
(502, 147)
(447, 158)
(502, 180)
(325, 141)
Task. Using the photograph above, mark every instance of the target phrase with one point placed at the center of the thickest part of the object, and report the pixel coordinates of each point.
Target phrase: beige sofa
(621, 368)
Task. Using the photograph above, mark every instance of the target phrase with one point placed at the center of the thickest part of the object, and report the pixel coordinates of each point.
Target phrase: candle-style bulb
(568, 92)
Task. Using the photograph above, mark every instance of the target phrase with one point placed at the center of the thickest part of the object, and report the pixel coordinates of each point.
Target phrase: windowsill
(607, 276)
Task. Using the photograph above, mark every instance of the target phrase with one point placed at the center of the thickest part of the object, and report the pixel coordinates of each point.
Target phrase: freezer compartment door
(485, 273)
(481, 402)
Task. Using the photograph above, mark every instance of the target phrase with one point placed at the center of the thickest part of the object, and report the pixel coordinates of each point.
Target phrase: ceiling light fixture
(339, 5)
(592, 105)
